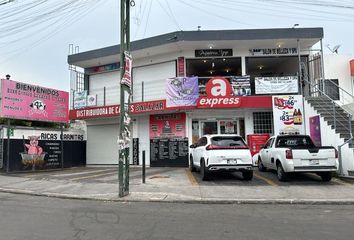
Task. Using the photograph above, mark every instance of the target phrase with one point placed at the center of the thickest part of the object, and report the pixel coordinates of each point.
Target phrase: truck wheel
(247, 175)
(261, 167)
(204, 171)
(326, 176)
(191, 165)
(282, 176)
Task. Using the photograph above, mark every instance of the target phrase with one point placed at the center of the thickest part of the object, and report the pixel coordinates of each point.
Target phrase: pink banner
(31, 102)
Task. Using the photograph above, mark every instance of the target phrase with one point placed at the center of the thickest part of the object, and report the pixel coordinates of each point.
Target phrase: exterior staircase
(341, 122)
(336, 117)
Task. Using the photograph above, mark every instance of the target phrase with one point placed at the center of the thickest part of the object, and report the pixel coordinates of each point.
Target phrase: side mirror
(263, 146)
(192, 146)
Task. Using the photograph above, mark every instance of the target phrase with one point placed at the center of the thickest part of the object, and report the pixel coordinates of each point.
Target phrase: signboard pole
(124, 119)
(62, 144)
(8, 147)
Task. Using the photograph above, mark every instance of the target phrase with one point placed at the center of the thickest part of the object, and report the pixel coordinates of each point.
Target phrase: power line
(210, 13)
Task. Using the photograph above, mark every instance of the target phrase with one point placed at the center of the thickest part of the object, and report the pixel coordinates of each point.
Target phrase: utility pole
(125, 93)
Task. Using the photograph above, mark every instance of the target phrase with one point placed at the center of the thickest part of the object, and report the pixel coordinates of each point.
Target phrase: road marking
(92, 176)
(191, 178)
(270, 182)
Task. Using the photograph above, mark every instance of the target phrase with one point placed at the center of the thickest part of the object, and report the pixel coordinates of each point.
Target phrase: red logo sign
(218, 90)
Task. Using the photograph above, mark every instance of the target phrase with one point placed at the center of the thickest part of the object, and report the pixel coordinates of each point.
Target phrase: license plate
(314, 162)
(231, 161)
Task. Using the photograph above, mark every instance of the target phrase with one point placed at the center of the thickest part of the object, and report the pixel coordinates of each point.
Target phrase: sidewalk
(172, 185)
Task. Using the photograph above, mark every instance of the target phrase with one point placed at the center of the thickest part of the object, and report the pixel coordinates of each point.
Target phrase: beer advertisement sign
(288, 114)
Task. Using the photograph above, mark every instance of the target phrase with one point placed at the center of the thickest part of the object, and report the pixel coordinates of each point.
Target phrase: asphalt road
(30, 218)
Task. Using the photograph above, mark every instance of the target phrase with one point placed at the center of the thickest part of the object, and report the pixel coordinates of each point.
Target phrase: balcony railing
(155, 90)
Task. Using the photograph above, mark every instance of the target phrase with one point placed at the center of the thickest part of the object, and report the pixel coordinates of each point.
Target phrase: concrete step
(340, 119)
(329, 109)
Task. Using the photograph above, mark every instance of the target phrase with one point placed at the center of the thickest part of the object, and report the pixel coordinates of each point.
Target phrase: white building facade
(242, 59)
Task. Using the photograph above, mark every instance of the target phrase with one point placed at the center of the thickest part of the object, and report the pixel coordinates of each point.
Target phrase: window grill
(80, 81)
(263, 122)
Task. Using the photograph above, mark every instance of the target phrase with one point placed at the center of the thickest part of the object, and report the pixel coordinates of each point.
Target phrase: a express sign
(219, 95)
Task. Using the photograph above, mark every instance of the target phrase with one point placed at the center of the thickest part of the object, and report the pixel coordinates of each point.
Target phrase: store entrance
(222, 126)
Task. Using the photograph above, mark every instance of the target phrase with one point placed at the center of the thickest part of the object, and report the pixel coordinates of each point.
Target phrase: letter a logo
(218, 87)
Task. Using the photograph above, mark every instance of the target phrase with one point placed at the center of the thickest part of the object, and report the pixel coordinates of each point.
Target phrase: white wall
(144, 138)
(154, 78)
(110, 80)
(330, 138)
(338, 67)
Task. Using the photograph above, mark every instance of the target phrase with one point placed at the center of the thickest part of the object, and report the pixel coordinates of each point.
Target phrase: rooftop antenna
(295, 25)
(199, 27)
(334, 49)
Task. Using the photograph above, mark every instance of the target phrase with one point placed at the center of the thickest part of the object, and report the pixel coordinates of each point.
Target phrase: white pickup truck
(297, 153)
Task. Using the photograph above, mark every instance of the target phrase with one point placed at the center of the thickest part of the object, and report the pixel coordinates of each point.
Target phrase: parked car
(297, 153)
(226, 152)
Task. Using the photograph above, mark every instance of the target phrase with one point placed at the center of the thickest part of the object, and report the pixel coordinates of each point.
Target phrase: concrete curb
(188, 201)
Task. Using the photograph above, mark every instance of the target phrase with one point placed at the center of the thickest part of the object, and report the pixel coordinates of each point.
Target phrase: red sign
(95, 112)
(168, 126)
(256, 141)
(152, 106)
(114, 110)
(180, 66)
(218, 95)
(260, 102)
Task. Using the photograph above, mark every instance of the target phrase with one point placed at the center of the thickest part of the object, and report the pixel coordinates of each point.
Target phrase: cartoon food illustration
(33, 154)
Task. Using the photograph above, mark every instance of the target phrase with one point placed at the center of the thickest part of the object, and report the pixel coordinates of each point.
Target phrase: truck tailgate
(314, 157)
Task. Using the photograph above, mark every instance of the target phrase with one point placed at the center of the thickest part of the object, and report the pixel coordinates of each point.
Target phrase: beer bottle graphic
(297, 117)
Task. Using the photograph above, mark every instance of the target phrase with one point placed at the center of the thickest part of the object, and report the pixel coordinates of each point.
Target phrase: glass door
(228, 126)
(209, 127)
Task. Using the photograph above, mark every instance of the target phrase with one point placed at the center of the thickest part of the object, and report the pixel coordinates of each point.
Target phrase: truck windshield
(295, 141)
(228, 141)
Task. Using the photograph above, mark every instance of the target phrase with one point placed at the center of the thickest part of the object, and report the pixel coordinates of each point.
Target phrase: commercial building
(190, 83)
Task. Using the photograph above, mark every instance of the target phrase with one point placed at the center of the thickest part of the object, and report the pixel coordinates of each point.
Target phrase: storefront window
(217, 127)
(263, 122)
(228, 127)
(209, 128)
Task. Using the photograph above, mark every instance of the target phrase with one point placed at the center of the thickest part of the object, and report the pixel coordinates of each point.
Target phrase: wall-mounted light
(211, 46)
(227, 70)
(224, 59)
(204, 61)
(260, 67)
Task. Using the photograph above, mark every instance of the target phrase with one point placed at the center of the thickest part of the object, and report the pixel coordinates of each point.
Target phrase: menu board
(169, 152)
(53, 152)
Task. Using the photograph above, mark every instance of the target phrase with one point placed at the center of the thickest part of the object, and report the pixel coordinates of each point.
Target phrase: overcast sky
(35, 35)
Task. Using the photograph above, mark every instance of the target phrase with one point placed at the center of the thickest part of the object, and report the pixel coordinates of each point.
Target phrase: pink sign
(31, 102)
(168, 125)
